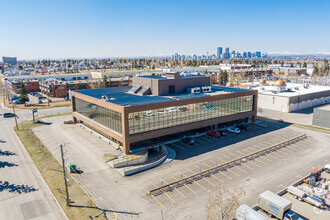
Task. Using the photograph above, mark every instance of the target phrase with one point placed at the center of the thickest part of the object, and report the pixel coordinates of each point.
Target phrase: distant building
(249, 54)
(59, 88)
(258, 54)
(9, 60)
(30, 86)
(289, 97)
(219, 52)
(227, 54)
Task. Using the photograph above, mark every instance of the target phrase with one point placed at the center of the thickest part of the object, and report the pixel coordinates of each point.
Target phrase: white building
(288, 97)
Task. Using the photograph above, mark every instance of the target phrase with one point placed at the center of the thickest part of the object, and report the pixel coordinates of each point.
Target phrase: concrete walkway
(304, 116)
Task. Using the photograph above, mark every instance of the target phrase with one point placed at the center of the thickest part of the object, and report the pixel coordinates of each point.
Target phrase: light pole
(65, 180)
(64, 174)
(15, 116)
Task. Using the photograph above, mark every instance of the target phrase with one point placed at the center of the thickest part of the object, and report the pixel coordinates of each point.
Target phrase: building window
(104, 116)
(144, 121)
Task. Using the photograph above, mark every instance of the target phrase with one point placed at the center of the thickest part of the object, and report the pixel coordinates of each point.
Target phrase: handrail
(223, 166)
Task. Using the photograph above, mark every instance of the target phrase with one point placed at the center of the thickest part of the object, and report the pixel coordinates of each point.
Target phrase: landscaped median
(81, 204)
(43, 105)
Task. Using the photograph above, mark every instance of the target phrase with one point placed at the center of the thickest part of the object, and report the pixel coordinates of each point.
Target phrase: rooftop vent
(106, 98)
(173, 75)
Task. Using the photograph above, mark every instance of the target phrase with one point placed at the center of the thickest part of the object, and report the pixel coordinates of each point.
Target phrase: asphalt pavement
(23, 192)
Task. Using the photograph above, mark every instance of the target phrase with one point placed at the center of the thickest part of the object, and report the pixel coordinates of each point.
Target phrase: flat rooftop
(162, 76)
(292, 89)
(120, 95)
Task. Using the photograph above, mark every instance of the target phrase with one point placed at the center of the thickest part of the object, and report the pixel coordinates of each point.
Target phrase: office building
(219, 52)
(227, 54)
(9, 60)
(160, 106)
(258, 54)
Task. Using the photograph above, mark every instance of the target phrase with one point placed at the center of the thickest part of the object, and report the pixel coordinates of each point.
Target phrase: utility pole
(15, 117)
(65, 180)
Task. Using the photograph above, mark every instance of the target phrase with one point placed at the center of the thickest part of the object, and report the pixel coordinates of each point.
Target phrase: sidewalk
(304, 116)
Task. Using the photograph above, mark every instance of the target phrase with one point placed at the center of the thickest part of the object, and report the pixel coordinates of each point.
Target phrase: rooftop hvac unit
(196, 90)
(206, 88)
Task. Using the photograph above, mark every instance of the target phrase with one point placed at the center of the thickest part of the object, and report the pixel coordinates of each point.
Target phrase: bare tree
(5, 91)
(172, 211)
(222, 203)
(97, 84)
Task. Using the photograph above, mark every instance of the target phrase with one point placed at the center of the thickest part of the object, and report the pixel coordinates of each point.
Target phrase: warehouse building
(161, 105)
(289, 97)
(321, 116)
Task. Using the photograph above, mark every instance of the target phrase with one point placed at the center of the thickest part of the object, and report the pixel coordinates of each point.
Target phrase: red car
(213, 133)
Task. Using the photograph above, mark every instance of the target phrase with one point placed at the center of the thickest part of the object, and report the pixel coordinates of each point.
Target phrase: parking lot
(273, 171)
(208, 143)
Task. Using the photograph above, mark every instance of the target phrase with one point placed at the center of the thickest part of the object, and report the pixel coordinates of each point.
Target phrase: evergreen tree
(305, 65)
(23, 95)
(105, 81)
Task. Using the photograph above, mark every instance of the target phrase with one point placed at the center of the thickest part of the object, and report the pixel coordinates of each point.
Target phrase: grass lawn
(43, 159)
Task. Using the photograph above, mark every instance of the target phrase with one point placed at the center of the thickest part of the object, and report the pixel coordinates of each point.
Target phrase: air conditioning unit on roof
(206, 88)
(196, 90)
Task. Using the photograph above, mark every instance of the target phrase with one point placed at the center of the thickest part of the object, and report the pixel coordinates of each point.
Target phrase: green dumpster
(72, 167)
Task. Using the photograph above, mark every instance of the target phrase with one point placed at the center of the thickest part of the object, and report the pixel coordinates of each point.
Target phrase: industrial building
(289, 97)
(321, 116)
(161, 105)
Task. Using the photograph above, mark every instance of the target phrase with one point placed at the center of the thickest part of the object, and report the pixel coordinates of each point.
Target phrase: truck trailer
(245, 212)
(276, 206)
(302, 196)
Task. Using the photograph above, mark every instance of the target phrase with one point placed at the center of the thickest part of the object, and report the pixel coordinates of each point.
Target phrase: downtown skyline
(83, 29)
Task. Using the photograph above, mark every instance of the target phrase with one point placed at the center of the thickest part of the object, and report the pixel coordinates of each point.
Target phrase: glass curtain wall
(104, 116)
(172, 116)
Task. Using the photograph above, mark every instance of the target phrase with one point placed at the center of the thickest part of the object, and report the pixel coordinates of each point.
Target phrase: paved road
(23, 192)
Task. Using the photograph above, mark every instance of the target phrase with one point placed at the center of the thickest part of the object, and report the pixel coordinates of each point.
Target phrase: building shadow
(6, 153)
(12, 188)
(309, 110)
(7, 164)
(184, 152)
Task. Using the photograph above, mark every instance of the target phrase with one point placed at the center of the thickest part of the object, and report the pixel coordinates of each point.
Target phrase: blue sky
(31, 29)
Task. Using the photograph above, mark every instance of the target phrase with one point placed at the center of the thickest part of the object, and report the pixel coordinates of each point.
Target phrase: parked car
(243, 127)
(188, 140)
(215, 134)
(9, 115)
(162, 112)
(16, 101)
(223, 133)
(171, 109)
(234, 130)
